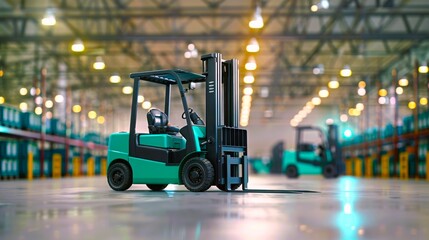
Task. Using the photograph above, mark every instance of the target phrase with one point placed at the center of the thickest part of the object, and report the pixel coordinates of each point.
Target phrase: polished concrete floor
(307, 208)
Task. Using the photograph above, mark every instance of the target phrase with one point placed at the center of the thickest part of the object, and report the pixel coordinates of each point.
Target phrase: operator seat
(158, 123)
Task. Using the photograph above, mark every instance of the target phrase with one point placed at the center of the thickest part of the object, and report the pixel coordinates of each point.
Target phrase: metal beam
(171, 37)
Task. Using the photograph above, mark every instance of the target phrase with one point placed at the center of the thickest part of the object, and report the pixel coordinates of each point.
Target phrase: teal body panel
(152, 172)
(118, 147)
(289, 158)
(148, 171)
(162, 141)
(199, 133)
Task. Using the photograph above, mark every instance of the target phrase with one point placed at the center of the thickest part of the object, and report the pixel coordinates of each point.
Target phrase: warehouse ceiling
(130, 36)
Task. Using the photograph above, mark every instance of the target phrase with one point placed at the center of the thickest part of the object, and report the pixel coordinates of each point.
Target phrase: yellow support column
(358, 167)
(30, 161)
(103, 167)
(76, 166)
(90, 167)
(368, 167)
(403, 165)
(56, 165)
(385, 165)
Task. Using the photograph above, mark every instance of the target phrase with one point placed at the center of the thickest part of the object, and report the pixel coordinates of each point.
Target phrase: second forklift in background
(315, 153)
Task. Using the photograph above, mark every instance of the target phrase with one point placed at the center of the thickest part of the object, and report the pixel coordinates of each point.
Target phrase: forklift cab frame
(168, 78)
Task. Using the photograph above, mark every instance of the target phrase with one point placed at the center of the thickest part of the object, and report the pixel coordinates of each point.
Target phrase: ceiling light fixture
(403, 82)
(23, 106)
(361, 92)
(323, 92)
(140, 99)
(249, 78)
(49, 18)
(77, 108)
(100, 120)
(316, 101)
(251, 64)
(92, 114)
(23, 91)
(382, 92)
(49, 104)
(146, 105)
(319, 69)
(399, 90)
(333, 84)
(423, 68)
(78, 46)
(127, 90)
(192, 51)
(346, 71)
(38, 110)
(248, 91)
(314, 8)
(252, 46)
(59, 98)
(99, 63)
(257, 21)
(115, 78)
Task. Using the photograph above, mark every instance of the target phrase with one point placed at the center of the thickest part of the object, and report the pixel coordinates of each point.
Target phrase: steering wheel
(190, 110)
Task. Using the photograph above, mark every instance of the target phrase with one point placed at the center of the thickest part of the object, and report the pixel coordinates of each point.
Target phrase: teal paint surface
(199, 134)
(152, 172)
(118, 147)
(162, 141)
(289, 158)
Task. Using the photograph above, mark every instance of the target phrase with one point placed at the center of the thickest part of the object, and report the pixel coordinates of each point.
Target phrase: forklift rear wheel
(119, 176)
(156, 187)
(329, 171)
(197, 174)
(292, 171)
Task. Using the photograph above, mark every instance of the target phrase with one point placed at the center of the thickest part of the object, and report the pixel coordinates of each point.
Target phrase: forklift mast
(225, 141)
(335, 147)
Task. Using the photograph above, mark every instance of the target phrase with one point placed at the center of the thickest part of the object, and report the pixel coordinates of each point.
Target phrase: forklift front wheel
(197, 174)
(329, 171)
(119, 176)
(156, 187)
(292, 171)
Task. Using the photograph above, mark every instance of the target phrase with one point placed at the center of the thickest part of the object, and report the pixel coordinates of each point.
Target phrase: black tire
(119, 176)
(197, 174)
(292, 171)
(156, 187)
(233, 187)
(329, 171)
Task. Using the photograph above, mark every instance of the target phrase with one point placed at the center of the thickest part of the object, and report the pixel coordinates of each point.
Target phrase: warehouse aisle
(345, 208)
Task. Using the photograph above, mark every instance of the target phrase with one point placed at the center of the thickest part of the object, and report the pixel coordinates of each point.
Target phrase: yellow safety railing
(368, 167)
(358, 167)
(349, 166)
(76, 166)
(385, 165)
(90, 167)
(403, 165)
(30, 162)
(103, 167)
(56, 165)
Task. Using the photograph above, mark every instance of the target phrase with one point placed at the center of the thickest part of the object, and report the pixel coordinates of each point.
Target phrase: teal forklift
(315, 154)
(198, 155)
